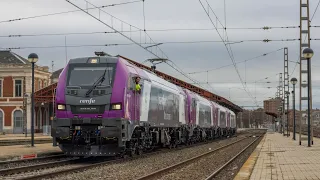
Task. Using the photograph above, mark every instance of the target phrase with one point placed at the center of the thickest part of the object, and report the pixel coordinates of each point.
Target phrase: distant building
(290, 117)
(55, 75)
(253, 118)
(272, 105)
(15, 90)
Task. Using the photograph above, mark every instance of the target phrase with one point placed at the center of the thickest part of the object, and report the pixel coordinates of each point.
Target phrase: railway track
(22, 162)
(22, 142)
(52, 169)
(225, 165)
(182, 169)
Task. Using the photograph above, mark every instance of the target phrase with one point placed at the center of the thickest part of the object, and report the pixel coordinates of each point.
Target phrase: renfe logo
(89, 101)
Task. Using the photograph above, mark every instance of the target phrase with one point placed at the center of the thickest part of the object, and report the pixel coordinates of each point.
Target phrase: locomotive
(99, 112)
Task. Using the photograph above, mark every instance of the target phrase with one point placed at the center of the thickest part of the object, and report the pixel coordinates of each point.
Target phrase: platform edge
(247, 168)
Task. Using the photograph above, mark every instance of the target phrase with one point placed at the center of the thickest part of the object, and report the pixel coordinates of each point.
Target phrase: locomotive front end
(89, 108)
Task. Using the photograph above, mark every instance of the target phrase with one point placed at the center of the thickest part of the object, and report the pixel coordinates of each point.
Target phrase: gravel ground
(40, 171)
(233, 168)
(207, 165)
(132, 169)
(32, 162)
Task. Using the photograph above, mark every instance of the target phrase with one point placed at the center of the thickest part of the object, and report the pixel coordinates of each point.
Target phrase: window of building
(18, 88)
(45, 84)
(0, 87)
(39, 84)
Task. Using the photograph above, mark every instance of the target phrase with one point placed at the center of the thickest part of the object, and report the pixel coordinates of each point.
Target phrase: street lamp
(308, 53)
(32, 58)
(294, 82)
(287, 93)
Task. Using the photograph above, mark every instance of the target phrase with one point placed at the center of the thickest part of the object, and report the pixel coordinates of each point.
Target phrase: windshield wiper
(99, 81)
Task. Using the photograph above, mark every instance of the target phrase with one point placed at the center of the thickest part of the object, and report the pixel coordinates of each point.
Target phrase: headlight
(116, 106)
(61, 107)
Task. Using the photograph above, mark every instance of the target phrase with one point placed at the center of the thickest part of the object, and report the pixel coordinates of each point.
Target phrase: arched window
(17, 122)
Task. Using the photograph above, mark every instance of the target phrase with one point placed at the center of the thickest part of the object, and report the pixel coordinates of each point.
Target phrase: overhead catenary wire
(110, 26)
(253, 58)
(126, 35)
(306, 36)
(65, 12)
(229, 53)
(128, 44)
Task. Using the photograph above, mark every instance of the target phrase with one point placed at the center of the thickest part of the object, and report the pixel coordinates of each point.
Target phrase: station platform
(280, 157)
(19, 151)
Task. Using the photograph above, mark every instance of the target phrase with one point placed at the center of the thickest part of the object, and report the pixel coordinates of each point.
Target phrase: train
(106, 106)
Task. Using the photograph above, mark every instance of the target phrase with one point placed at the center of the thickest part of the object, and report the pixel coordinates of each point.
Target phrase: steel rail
(231, 160)
(65, 171)
(22, 142)
(85, 167)
(164, 170)
(33, 159)
(22, 169)
(80, 167)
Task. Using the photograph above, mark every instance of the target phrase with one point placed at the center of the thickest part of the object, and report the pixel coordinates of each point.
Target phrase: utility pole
(286, 86)
(281, 103)
(304, 83)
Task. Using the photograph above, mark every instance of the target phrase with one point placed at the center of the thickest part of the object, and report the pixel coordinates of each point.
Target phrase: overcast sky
(169, 14)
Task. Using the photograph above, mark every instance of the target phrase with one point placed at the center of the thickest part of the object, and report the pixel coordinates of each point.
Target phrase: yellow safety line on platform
(247, 168)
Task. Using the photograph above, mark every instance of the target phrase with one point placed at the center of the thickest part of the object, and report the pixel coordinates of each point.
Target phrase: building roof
(9, 57)
(56, 74)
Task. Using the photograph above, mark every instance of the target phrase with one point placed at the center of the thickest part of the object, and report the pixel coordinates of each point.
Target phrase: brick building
(55, 75)
(315, 117)
(15, 90)
(272, 105)
(253, 118)
(290, 117)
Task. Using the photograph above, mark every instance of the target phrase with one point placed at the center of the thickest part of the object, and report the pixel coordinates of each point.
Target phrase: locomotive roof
(102, 59)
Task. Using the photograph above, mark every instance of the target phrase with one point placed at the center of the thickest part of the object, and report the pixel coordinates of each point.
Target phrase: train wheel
(133, 149)
(140, 150)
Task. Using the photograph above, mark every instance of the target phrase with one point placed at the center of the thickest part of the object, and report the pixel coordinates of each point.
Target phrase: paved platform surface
(15, 152)
(22, 136)
(279, 157)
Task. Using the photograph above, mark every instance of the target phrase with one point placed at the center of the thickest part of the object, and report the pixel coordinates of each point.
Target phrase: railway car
(106, 106)
(233, 125)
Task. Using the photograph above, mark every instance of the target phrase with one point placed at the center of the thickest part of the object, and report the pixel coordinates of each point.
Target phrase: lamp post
(294, 82)
(32, 58)
(287, 93)
(308, 53)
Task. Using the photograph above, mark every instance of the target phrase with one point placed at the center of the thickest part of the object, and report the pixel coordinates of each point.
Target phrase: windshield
(86, 76)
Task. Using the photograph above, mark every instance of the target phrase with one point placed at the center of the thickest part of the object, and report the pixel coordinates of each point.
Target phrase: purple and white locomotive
(99, 112)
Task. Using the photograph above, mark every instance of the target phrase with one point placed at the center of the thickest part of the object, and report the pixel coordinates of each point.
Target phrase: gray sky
(168, 14)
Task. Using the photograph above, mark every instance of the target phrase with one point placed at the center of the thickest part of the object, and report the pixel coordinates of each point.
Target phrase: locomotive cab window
(84, 75)
(134, 81)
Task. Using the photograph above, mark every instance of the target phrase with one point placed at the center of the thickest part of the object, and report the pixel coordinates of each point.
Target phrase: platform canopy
(45, 95)
(272, 114)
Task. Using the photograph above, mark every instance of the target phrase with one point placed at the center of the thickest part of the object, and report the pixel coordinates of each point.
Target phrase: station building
(15, 91)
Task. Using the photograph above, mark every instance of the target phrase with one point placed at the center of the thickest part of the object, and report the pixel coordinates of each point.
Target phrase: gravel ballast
(233, 168)
(132, 169)
(32, 162)
(205, 166)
